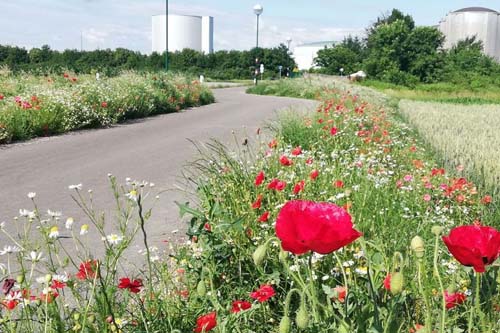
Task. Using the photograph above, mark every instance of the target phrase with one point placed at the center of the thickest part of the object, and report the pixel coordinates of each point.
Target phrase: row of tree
(395, 50)
(217, 65)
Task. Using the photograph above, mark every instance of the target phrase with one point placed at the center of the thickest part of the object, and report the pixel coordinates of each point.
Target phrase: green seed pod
(417, 245)
(285, 325)
(201, 289)
(437, 230)
(91, 319)
(76, 316)
(397, 283)
(260, 254)
(77, 327)
(20, 279)
(302, 319)
(48, 278)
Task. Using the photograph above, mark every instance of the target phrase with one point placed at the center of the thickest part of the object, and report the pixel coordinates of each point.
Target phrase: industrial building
(184, 32)
(304, 54)
(481, 22)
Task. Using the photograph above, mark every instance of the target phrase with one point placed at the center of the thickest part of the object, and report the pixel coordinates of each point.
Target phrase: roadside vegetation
(344, 221)
(32, 106)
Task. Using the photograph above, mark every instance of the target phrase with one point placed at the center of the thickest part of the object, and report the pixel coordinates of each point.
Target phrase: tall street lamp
(288, 42)
(258, 9)
(166, 35)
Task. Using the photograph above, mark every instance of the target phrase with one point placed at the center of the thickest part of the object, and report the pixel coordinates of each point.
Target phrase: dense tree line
(217, 65)
(396, 51)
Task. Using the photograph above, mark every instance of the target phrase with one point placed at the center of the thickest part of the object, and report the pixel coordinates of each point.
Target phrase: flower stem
(436, 273)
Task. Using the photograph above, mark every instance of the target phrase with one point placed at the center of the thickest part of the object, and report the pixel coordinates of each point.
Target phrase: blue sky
(127, 23)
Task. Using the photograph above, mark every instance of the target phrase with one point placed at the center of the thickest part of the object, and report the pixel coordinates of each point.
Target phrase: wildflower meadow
(33, 106)
(341, 219)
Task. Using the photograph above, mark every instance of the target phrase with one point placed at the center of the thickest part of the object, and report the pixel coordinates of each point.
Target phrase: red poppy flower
(299, 187)
(387, 282)
(87, 270)
(341, 293)
(454, 299)
(280, 185)
(206, 323)
(258, 202)
(240, 306)
(259, 179)
(333, 131)
(264, 217)
(66, 75)
(309, 161)
(104, 104)
(285, 161)
(1, 97)
(321, 227)
(264, 293)
(338, 184)
(314, 174)
(56, 284)
(273, 143)
(475, 246)
(10, 304)
(486, 200)
(437, 172)
(207, 227)
(297, 151)
(133, 286)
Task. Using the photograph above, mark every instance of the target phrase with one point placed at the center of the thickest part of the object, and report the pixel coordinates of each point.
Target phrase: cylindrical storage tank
(183, 32)
(483, 23)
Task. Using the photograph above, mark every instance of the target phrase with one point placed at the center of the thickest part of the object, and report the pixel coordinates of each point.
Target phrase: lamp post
(166, 35)
(288, 42)
(257, 9)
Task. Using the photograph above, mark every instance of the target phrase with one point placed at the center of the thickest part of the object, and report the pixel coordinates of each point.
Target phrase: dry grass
(465, 135)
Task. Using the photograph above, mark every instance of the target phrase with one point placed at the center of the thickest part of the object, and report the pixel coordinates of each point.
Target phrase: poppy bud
(77, 327)
(260, 254)
(76, 316)
(91, 318)
(397, 283)
(451, 289)
(48, 278)
(302, 319)
(436, 230)
(285, 325)
(20, 279)
(201, 289)
(417, 245)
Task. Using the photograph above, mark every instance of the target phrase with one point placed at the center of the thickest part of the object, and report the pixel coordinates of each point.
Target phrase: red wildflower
(206, 323)
(418, 328)
(273, 144)
(280, 185)
(66, 75)
(314, 174)
(338, 184)
(321, 227)
(285, 161)
(387, 282)
(341, 292)
(49, 297)
(333, 131)
(299, 187)
(56, 284)
(264, 217)
(240, 306)
(475, 246)
(259, 179)
(1, 97)
(486, 200)
(297, 151)
(104, 104)
(133, 286)
(10, 304)
(74, 79)
(272, 184)
(207, 227)
(258, 202)
(437, 172)
(309, 161)
(87, 270)
(264, 293)
(454, 299)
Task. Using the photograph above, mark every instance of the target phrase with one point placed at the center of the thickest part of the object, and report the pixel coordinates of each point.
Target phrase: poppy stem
(436, 273)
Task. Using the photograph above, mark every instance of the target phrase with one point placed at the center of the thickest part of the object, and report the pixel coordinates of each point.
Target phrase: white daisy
(114, 239)
(35, 256)
(75, 187)
(54, 213)
(31, 195)
(8, 249)
(54, 232)
(69, 223)
(84, 229)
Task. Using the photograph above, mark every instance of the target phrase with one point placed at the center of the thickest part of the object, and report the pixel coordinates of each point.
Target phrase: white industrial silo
(184, 32)
(481, 22)
(304, 54)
